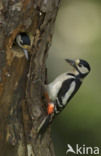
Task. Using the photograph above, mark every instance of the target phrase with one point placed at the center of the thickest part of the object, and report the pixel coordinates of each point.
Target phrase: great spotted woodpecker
(23, 41)
(62, 90)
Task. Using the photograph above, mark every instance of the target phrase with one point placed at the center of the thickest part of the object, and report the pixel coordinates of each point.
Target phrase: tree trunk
(21, 81)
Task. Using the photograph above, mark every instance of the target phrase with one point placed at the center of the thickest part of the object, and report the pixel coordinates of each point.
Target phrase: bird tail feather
(44, 125)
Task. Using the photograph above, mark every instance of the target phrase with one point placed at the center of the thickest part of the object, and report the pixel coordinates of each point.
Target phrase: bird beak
(26, 53)
(71, 62)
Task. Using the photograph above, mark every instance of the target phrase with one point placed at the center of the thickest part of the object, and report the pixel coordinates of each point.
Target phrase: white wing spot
(69, 92)
(54, 86)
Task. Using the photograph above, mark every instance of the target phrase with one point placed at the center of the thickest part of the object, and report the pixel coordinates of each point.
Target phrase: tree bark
(21, 82)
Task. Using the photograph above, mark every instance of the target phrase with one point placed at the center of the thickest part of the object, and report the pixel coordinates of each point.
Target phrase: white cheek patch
(83, 69)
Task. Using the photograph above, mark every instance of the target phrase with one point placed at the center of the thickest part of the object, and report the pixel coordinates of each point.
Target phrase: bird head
(23, 40)
(81, 66)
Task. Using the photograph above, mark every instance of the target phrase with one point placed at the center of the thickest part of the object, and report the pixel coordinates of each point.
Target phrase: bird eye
(80, 65)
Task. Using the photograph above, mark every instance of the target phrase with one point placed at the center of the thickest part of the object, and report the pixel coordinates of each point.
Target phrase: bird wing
(68, 89)
(54, 87)
(66, 86)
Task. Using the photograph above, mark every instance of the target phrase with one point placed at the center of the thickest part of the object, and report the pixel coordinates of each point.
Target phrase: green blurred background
(78, 35)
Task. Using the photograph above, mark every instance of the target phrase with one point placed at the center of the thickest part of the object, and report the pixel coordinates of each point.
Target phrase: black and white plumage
(64, 87)
(23, 41)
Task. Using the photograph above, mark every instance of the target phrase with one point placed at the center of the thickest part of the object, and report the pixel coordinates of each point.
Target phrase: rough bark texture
(21, 81)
